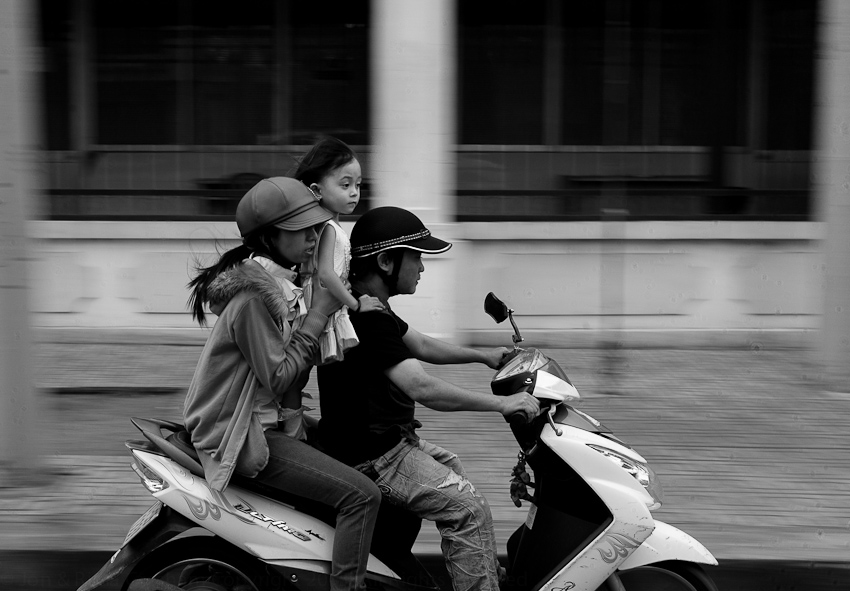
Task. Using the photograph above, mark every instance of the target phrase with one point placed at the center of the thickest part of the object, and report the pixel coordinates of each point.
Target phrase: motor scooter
(589, 525)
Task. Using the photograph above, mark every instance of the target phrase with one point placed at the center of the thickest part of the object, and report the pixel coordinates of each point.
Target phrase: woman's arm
(277, 366)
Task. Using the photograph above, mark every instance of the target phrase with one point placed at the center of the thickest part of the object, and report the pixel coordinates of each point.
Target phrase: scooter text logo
(621, 546)
(281, 525)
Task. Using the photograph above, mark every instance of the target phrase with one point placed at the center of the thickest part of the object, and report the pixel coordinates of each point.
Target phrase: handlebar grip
(508, 355)
(518, 419)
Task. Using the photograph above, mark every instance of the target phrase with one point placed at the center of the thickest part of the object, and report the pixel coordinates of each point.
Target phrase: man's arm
(430, 391)
(439, 352)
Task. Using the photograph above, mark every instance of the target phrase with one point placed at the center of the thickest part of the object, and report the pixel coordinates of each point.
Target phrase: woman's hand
(370, 304)
(323, 300)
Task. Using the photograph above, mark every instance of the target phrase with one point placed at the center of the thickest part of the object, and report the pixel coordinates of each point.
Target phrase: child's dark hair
(260, 241)
(326, 155)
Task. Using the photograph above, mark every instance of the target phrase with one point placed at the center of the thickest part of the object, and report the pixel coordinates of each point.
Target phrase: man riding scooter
(368, 399)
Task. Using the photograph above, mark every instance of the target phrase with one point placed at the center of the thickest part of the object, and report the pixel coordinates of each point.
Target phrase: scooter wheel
(200, 564)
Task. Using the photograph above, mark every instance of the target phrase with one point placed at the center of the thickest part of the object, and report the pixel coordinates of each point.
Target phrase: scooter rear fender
(164, 526)
(668, 543)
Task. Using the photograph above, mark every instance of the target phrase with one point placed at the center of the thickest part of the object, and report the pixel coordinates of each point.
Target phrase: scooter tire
(194, 560)
(663, 576)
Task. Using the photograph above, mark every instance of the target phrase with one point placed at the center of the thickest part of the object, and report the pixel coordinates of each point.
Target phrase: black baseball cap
(385, 228)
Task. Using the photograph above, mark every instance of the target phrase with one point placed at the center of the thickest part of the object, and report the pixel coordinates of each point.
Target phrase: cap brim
(310, 216)
(429, 245)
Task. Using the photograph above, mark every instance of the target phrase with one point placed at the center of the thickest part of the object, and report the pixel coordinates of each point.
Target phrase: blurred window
(135, 72)
(232, 71)
(55, 29)
(790, 79)
(208, 72)
(636, 73)
(583, 69)
(500, 71)
(330, 70)
(547, 93)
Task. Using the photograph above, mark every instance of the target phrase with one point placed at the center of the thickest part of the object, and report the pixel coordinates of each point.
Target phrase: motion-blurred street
(750, 449)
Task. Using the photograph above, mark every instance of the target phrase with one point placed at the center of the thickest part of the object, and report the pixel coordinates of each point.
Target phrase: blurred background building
(619, 171)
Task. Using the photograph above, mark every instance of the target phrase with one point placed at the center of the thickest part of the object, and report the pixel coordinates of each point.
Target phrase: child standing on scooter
(331, 170)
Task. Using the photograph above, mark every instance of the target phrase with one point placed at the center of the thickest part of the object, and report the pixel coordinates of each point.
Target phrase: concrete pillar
(832, 185)
(19, 451)
(413, 113)
(413, 61)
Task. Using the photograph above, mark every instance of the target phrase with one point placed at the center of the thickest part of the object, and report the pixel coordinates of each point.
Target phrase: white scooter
(589, 525)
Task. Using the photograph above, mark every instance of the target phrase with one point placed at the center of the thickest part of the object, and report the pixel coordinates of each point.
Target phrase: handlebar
(518, 419)
(508, 355)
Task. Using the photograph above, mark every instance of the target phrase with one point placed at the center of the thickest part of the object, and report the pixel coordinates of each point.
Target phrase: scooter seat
(174, 441)
(177, 444)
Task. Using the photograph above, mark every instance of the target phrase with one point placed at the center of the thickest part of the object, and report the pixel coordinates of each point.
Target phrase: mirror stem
(517, 338)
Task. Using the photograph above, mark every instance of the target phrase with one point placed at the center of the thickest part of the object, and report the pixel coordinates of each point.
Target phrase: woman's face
(296, 246)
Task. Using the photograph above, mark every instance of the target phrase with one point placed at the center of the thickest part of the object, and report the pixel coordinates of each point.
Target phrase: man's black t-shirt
(363, 412)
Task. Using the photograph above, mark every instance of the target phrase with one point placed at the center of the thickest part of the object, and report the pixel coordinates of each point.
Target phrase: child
(331, 170)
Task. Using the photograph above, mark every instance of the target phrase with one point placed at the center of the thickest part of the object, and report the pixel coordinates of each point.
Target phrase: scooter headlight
(525, 362)
(640, 471)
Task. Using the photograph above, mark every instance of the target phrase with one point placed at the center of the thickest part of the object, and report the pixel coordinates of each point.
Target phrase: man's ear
(385, 261)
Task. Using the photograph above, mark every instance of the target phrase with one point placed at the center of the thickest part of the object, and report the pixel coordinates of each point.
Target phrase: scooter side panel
(668, 543)
(244, 518)
(626, 500)
(267, 529)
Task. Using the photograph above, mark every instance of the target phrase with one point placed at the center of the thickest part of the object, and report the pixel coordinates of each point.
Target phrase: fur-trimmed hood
(249, 276)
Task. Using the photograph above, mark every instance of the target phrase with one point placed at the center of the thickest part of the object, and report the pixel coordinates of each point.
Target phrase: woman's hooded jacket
(252, 357)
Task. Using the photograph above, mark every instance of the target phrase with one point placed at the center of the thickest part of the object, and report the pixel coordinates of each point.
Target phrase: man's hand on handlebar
(496, 358)
(521, 403)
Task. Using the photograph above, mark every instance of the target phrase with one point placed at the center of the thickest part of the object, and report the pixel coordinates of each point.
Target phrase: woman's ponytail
(199, 286)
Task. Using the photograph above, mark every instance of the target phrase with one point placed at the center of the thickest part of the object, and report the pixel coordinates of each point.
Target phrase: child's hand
(370, 304)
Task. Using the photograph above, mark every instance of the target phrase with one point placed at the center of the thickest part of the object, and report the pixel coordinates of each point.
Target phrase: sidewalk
(750, 450)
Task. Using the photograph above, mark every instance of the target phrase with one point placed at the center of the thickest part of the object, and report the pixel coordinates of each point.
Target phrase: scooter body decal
(202, 509)
(621, 546)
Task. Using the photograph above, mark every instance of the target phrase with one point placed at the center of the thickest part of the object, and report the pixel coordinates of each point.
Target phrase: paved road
(751, 450)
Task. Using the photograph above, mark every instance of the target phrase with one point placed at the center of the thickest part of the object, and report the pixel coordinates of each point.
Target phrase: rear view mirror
(499, 311)
(495, 308)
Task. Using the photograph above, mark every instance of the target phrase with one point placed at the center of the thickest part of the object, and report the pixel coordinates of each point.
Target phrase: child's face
(297, 246)
(340, 190)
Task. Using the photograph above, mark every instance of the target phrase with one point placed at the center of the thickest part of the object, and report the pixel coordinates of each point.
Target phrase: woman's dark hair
(260, 242)
(326, 155)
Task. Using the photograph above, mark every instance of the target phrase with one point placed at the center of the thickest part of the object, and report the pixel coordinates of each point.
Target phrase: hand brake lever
(549, 418)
